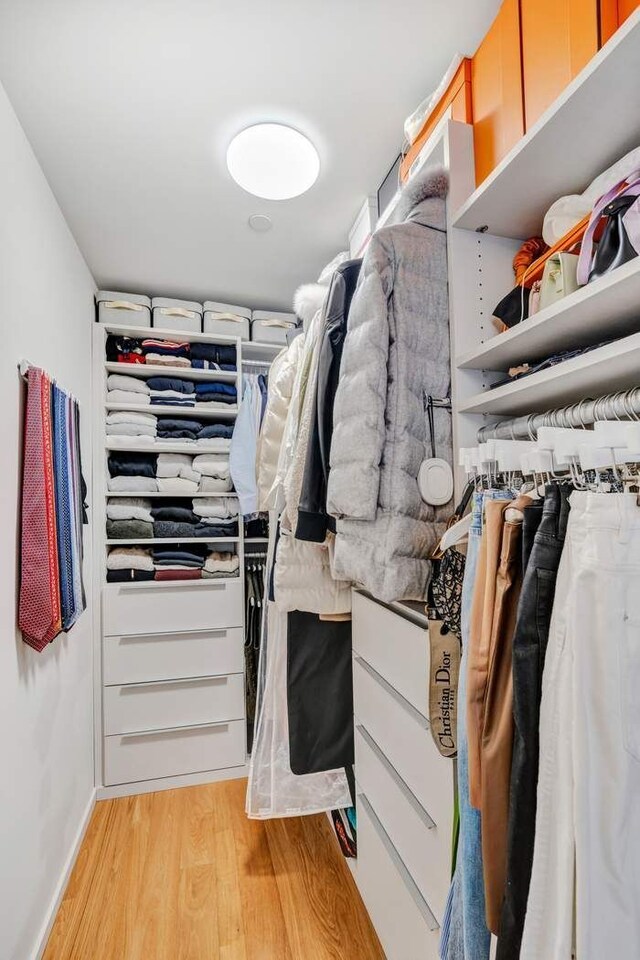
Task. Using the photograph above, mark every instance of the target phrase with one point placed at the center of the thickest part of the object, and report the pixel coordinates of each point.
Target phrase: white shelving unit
(159, 638)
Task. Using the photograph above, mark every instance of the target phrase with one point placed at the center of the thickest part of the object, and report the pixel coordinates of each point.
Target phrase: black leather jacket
(313, 521)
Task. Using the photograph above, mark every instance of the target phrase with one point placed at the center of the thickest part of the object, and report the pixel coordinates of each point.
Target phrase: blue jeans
(465, 935)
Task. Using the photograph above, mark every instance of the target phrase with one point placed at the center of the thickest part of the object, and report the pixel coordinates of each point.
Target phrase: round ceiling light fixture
(260, 222)
(273, 161)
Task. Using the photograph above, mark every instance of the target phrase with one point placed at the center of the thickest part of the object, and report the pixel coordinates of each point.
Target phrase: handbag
(444, 672)
(619, 212)
(559, 278)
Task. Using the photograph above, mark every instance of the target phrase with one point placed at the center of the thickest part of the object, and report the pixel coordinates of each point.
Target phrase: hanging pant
(529, 650)
(587, 843)
(490, 689)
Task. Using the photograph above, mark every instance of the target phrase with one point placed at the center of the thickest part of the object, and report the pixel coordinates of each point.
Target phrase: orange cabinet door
(496, 91)
(559, 37)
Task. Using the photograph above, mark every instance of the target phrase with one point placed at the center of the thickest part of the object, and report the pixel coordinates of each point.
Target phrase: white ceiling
(130, 106)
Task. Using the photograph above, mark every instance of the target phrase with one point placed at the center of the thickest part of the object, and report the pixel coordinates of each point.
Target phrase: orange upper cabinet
(559, 37)
(496, 91)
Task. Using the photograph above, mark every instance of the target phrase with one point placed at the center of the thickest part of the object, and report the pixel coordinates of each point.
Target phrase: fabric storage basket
(177, 314)
(270, 327)
(226, 320)
(132, 309)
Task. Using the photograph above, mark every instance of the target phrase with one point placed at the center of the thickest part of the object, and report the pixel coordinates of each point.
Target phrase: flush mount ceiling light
(273, 161)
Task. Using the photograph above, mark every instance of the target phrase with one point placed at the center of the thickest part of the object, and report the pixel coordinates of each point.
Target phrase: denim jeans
(465, 933)
(529, 650)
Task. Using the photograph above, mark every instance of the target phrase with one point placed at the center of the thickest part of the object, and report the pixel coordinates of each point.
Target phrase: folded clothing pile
(215, 476)
(126, 389)
(132, 472)
(179, 517)
(126, 426)
(211, 393)
(211, 356)
(124, 349)
(166, 353)
(215, 437)
(129, 518)
(172, 391)
(170, 562)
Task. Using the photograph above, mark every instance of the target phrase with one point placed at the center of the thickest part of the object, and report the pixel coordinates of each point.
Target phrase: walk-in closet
(321, 491)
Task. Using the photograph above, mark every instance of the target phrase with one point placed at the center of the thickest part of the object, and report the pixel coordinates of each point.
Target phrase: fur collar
(308, 299)
(430, 182)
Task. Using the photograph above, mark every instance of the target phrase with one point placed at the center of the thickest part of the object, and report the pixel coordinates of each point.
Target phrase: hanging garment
(490, 688)
(281, 380)
(529, 651)
(242, 457)
(313, 521)
(588, 817)
(319, 672)
(467, 935)
(40, 616)
(396, 353)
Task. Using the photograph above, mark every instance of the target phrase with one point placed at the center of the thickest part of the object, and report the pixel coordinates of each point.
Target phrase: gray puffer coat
(396, 354)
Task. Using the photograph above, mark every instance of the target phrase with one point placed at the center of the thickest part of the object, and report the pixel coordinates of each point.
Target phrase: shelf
(592, 124)
(152, 541)
(608, 307)
(253, 350)
(163, 584)
(159, 333)
(615, 366)
(155, 447)
(256, 539)
(192, 413)
(145, 370)
(181, 496)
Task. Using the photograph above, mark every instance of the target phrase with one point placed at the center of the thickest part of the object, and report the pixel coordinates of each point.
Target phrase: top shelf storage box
(177, 314)
(226, 320)
(132, 309)
(270, 327)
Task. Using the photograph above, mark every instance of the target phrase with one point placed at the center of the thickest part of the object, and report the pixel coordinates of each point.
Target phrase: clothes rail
(624, 405)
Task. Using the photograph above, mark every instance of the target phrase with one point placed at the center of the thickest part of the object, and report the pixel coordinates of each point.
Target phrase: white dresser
(405, 789)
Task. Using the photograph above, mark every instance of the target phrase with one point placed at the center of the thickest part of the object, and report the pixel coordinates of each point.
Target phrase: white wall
(46, 699)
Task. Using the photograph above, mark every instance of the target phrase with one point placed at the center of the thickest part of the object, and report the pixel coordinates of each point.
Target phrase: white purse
(559, 279)
(435, 476)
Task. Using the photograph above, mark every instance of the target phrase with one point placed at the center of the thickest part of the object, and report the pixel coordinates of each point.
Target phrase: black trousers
(529, 649)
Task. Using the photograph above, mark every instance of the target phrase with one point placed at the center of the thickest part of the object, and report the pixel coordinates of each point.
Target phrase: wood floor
(183, 875)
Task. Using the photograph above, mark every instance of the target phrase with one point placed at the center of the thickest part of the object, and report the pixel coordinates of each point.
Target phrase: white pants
(587, 847)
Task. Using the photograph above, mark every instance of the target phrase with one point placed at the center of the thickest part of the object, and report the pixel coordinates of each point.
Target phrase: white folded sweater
(211, 466)
(218, 507)
(133, 484)
(128, 396)
(129, 558)
(119, 381)
(129, 508)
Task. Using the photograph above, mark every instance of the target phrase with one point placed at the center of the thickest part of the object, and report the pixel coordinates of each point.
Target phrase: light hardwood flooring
(183, 875)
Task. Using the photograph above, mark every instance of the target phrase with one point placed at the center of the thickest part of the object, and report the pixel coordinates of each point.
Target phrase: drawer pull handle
(398, 863)
(393, 773)
(142, 587)
(400, 700)
(173, 634)
(172, 731)
(146, 685)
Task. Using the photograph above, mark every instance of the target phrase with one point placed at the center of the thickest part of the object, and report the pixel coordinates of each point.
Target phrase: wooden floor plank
(184, 875)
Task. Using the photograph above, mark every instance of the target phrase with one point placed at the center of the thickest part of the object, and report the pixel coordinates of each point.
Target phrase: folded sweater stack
(124, 349)
(166, 353)
(179, 474)
(172, 391)
(126, 389)
(215, 437)
(170, 562)
(212, 393)
(211, 356)
(171, 353)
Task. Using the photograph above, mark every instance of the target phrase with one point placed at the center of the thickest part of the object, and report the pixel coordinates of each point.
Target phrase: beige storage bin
(128, 309)
(226, 320)
(171, 314)
(271, 327)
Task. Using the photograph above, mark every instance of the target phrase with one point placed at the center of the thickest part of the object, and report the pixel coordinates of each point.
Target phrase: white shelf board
(145, 370)
(160, 333)
(155, 447)
(230, 412)
(608, 307)
(152, 541)
(594, 122)
(163, 584)
(615, 366)
(254, 350)
(171, 496)
(256, 539)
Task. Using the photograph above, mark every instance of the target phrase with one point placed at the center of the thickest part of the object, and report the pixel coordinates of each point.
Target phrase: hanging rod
(624, 405)
(257, 363)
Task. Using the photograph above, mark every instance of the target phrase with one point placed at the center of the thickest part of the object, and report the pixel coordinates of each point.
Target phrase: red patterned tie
(39, 616)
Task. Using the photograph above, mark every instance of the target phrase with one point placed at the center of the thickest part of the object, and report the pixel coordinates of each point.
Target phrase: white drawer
(172, 703)
(404, 737)
(396, 648)
(425, 848)
(404, 923)
(170, 753)
(167, 656)
(183, 607)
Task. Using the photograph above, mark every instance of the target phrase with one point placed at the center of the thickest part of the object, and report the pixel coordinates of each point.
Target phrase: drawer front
(424, 847)
(166, 656)
(396, 648)
(403, 736)
(170, 753)
(403, 921)
(172, 703)
(128, 610)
